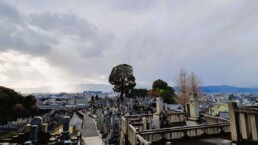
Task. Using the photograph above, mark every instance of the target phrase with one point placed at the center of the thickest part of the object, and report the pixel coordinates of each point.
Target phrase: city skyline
(52, 43)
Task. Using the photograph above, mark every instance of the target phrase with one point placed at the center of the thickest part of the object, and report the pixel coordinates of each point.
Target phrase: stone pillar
(144, 123)
(66, 122)
(254, 125)
(194, 108)
(159, 105)
(27, 128)
(165, 106)
(131, 106)
(34, 134)
(157, 122)
(126, 109)
(234, 127)
(153, 124)
(102, 122)
(44, 127)
(108, 122)
(65, 134)
(148, 124)
(113, 121)
(243, 125)
(37, 121)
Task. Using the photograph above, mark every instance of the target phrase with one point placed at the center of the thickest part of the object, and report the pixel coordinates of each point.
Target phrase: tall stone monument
(194, 108)
(159, 105)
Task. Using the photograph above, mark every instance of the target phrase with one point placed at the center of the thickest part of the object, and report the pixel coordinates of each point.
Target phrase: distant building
(224, 114)
(215, 109)
(93, 92)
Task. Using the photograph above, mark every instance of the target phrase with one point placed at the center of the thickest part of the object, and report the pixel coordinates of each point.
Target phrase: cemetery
(136, 121)
(39, 130)
(121, 124)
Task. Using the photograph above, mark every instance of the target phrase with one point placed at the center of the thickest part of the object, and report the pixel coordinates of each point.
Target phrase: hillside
(13, 105)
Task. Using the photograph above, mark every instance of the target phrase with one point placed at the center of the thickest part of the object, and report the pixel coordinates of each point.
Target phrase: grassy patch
(56, 130)
(8, 135)
(74, 133)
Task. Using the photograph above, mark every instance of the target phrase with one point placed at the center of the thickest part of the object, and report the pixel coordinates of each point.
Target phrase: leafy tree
(168, 96)
(159, 84)
(92, 99)
(123, 79)
(96, 97)
(30, 101)
(161, 88)
(14, 105)
(18, 107)
(153, 94)
(19, 110)
(137, 92)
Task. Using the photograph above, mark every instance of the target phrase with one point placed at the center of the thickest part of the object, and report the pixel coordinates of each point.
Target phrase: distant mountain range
(108, 88)
(228, 89)
(225, 89)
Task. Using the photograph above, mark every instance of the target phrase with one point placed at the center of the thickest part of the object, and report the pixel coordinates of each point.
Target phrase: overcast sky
(54, 42)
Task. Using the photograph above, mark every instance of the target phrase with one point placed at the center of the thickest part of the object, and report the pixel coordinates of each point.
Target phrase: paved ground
(90, 132)
(93, 141)
(89, 128)
(212, 141)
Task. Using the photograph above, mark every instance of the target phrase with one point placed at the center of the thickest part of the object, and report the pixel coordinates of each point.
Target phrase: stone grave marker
(34, 133)
(37, 121)
(65, 133)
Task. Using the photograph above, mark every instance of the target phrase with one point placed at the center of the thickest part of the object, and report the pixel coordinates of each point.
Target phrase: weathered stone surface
(159, 105)
(233, 121)
(254, 125)
(44, 127)
(27, 128)
(66, 122)
(194, 108)
(37, 121)
(34, 133)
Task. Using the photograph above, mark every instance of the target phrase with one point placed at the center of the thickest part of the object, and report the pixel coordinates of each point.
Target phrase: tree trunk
(121, 96)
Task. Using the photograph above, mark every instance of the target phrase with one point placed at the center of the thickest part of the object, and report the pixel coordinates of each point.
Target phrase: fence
(177, 118)
(176, 133)
(213, 120)
(243, 123)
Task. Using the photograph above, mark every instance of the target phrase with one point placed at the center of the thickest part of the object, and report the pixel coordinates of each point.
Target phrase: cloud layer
(80, 42)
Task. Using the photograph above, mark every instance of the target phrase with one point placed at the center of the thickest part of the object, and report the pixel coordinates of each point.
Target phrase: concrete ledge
(95, 140)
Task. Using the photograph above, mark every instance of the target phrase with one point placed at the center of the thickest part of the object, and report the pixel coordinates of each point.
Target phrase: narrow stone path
(90, 133)
(89, 128)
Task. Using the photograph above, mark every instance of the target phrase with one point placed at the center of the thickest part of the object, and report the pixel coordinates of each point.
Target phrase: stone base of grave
(195, 119)
(65, 135)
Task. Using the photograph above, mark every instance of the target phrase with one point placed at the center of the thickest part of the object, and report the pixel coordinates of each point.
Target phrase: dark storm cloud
(85, 36)
(8, 12)
(17, 35)
(37, 34)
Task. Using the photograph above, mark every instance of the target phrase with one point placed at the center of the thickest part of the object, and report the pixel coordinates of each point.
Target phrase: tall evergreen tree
(122, 78)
